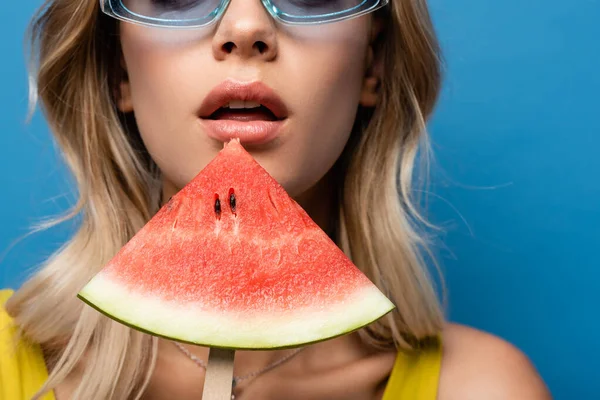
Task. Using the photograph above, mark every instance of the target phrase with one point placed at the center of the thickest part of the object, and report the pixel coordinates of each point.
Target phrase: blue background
(515, 185)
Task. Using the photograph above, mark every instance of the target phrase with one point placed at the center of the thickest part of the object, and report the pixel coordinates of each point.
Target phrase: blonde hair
(76, 69)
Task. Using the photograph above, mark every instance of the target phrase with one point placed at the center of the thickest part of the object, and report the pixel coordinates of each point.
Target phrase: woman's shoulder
(476, 364)
(22, 366)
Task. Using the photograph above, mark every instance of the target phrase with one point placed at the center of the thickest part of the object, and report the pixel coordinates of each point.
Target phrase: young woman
(331, 97)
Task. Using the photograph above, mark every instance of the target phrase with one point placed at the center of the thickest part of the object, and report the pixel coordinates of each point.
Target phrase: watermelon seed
(232, 200)
(217, 206)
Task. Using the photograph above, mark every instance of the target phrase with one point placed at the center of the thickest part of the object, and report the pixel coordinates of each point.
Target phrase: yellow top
(23, 370)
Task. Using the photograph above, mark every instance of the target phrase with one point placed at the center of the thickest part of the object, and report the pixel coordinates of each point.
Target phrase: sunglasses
(200, 13)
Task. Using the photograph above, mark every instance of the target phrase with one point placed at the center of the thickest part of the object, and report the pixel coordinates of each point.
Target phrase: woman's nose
(247, 31)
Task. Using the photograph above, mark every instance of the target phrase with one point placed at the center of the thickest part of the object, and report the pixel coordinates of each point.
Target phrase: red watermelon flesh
(232, 261)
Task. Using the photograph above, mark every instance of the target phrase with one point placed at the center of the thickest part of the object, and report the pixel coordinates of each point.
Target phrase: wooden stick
(219, 375)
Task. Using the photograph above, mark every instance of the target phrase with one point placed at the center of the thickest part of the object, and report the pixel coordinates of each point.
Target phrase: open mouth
(236, 101)
(251, 112)
(239, 110)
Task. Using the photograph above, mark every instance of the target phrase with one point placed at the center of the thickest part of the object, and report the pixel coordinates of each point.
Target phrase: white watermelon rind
(261, 331)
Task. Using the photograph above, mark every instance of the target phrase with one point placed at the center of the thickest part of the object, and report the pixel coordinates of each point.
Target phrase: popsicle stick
(219, 375)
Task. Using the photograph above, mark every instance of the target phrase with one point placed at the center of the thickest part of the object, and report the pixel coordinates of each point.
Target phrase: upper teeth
(237, 104)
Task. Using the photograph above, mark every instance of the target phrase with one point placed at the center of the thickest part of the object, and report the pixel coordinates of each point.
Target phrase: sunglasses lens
(180, 12)
(308, 11)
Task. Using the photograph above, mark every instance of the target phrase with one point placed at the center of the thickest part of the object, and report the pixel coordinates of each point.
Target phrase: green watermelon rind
(269, 335)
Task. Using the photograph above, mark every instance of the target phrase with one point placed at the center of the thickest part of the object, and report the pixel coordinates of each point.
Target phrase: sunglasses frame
(116, 9)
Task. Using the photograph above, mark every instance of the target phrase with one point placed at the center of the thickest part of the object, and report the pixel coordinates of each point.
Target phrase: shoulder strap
(4, 295)
(416, 374)
(22, 366)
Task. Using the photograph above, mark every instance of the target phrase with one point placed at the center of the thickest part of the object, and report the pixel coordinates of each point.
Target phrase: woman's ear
(123, 92)
(373, 68)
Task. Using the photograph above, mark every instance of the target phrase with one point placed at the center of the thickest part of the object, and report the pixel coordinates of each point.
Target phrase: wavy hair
(75, 72)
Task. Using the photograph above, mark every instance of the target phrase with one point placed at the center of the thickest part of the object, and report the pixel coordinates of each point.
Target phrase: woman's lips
(251, 125)
(249, 132)
(230, 90)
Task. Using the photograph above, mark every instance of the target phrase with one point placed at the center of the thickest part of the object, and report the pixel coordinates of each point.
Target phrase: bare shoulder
(478, 365)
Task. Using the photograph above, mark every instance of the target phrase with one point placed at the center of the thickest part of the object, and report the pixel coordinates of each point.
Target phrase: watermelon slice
(231, 261)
